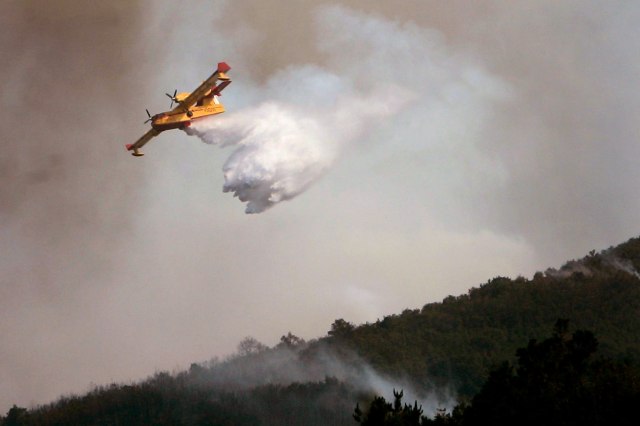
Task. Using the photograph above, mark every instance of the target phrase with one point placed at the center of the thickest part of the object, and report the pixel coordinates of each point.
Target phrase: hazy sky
(459, 140)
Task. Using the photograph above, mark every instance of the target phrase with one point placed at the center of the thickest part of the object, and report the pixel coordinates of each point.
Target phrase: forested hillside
(560, 381)
(459, 340)
(444, 347)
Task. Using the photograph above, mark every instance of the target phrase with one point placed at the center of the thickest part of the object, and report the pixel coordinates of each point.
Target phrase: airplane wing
(135, 147)
(208, 84)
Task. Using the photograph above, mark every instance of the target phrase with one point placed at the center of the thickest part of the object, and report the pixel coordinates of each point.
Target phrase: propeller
(148, 119)
(172, 97)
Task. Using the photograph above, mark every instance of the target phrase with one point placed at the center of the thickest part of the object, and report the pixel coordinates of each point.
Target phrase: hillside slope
(459, 340)
(448, 346)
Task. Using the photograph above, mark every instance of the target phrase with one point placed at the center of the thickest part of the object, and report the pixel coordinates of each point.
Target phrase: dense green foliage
(459, 340)
(167, 400)
(450, 346)
(382, 413)
(557, 382)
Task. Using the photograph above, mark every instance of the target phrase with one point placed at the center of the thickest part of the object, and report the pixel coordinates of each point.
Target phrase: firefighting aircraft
(202, 102)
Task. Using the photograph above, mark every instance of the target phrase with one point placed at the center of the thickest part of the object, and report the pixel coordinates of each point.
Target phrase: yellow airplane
(202, 102)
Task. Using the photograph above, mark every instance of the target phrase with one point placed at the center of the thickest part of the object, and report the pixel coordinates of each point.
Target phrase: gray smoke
(65, 201)
(287, 143)
(511, 145)
(287, 364)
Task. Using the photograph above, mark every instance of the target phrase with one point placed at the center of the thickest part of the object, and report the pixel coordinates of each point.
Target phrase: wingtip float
(200, 103)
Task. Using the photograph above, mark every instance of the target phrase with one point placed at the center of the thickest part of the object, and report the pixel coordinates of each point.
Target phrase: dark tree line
(165, 400)
(381, 412)
(557, 382)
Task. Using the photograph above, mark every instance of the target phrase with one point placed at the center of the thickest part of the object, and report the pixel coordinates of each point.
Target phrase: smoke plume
(366, 76)
(286, 144)
(314, 362)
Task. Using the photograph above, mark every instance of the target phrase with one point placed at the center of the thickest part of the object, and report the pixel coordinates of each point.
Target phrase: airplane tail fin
(221, 74)
(222, 71)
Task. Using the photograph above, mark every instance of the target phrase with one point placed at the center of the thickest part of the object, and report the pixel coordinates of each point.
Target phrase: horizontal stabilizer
(220, 87)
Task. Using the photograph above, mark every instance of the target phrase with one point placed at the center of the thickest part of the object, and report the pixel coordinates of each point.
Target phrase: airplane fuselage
(180, 119)
(202, 102)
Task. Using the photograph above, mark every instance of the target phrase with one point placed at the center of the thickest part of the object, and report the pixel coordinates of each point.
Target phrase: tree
(250, 346)
(341, 328)
(557, 382)
(16, 416)
(291, 341)
(382, 413)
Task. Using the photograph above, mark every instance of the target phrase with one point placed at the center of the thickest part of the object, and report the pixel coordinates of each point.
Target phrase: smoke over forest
(409, 141)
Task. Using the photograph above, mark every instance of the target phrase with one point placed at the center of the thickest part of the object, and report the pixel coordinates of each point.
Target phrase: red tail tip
(128, 146)
(223, 67)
